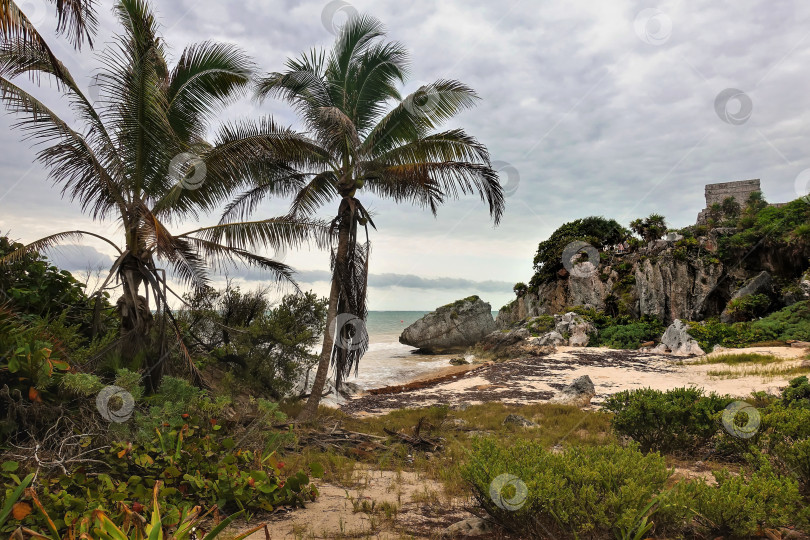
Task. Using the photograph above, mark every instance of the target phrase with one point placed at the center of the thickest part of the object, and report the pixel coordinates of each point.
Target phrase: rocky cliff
(675, 279)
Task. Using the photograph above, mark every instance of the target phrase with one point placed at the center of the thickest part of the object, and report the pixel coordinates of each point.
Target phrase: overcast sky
(612, 108)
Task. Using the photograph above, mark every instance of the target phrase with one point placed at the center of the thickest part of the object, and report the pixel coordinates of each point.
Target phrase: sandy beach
(537, 379)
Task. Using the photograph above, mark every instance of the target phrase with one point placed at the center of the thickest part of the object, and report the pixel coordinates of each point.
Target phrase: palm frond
(77, 20)
(51, 241)
(70, 159)
(223, 258)
(208, 76)
(419, 113)
(451, 179)
(283, 183)
(278, 233)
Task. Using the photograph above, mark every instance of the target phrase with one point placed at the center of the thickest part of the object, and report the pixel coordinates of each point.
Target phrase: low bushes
(682, 420)
(629, 336)
(790, 323)
(737, 506)
(584, 492)
(619, 492)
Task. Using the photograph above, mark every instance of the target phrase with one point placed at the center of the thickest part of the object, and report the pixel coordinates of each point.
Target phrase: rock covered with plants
(451, 327)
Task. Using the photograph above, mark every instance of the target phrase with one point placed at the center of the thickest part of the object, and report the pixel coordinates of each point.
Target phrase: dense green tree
(268, 346)
(594, 230)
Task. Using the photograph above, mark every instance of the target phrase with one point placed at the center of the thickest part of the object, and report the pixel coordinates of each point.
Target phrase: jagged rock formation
(662, 281)
(656, 283)
(451, 327)
(677, 340)
(578, 393)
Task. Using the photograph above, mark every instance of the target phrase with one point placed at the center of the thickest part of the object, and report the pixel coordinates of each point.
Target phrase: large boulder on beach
(676, 339)
(454, 326)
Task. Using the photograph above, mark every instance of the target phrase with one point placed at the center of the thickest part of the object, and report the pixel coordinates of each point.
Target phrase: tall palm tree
(141, 159)
(369, 138)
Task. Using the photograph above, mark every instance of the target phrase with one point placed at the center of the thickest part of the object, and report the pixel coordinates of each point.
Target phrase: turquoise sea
(388, 361)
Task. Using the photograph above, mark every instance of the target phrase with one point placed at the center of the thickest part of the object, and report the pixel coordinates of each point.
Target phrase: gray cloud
(595, 120)
(389, 280)
(77, 258)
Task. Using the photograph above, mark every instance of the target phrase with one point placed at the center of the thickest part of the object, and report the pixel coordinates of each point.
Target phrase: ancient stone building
(717, 193)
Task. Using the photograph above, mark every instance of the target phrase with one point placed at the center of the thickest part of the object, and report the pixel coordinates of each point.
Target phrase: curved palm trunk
(311, 407)
(136, 324)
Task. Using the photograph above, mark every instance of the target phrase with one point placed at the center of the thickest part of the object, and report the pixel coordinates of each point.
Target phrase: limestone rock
(473, 526)
(454, 326)
(579, 392)
(677, 339)
(552, 338)
(805, 286)
(514, 343)
(517, 420)
(762, 283)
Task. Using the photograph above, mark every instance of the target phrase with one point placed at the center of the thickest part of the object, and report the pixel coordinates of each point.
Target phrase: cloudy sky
(611, 108)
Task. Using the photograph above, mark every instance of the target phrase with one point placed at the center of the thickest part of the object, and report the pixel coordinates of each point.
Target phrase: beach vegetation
(682, 420)
(608, 488)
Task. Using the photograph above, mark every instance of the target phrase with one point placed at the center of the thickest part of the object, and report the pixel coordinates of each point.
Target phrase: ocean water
(389, 362)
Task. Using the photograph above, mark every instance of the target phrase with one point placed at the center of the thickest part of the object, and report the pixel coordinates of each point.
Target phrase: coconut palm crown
(139, 157)
(369, 137)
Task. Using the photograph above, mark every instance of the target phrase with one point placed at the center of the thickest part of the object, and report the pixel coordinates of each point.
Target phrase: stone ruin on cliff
(717, 193)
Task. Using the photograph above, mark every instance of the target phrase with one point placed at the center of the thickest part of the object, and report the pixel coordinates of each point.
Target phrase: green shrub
(540, 325)
(737, 507)
(787, 437)
(629, 336)
(797, 393)
(682, 420)
(582, 492)
(593, 230)
(748, 307)
(790, 323)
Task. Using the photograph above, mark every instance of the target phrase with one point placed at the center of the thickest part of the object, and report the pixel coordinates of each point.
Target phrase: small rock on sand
(579, 392)
(473, 526)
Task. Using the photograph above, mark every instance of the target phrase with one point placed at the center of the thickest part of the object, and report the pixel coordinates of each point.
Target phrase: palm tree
(369, 138)
(140, 158)
(650, 228)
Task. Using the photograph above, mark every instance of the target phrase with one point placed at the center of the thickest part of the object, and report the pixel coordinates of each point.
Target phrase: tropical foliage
(596, 231)
(140, 158)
